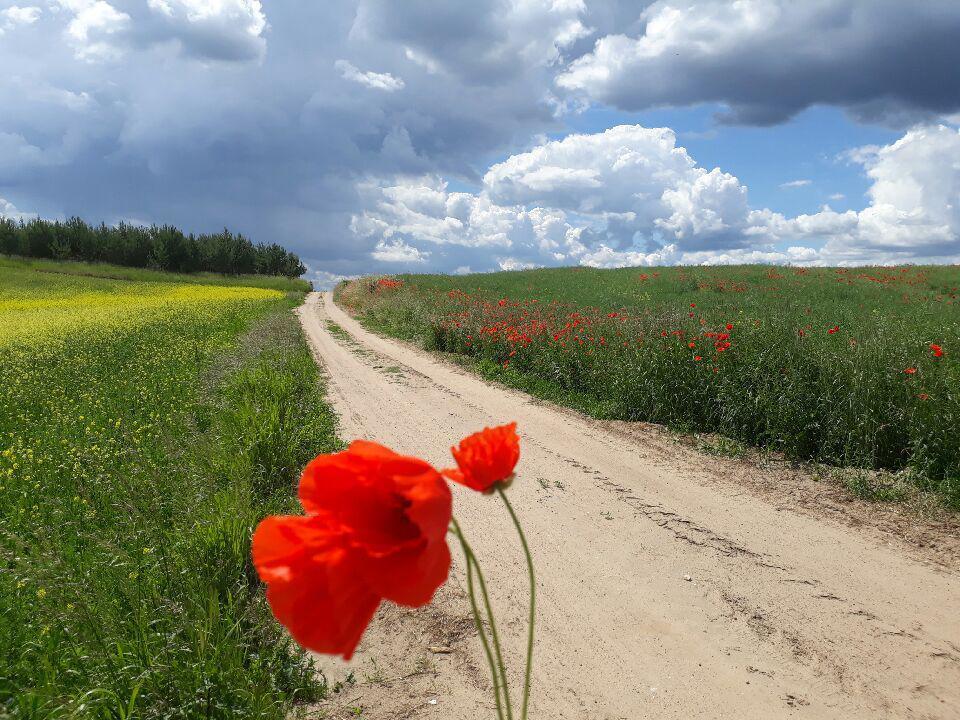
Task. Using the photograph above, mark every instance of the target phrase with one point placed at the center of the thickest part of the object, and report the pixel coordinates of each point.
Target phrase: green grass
(616, 344)
(145, 428)
(117, 272)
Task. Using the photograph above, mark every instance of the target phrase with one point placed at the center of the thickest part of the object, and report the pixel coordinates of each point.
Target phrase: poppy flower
(833, 330)
(697, 358)
(910, 370)
(936, 350)
(729, 326)
(375, 528)
(486, 458)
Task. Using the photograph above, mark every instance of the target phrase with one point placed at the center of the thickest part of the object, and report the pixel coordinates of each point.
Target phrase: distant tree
(164, 247)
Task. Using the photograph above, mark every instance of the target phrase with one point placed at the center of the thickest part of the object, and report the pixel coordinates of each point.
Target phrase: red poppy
(693, 304)
(697, 358)
(833, 330)
(910, 370)
(375, 529)
(936, 350)
(486, 458)
(691, 344)
(729, 326)
(923, 396)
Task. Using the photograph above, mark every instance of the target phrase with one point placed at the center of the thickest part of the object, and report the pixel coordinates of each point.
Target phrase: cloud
(226, 30)
(630, 196)
(914, 210)
(92, 27)
(481, 42)
(16, 15)
(231, 30)
(8, 210)
(374, 80)
(838, 196)
(882, 60)
(795, 184)
(398, 252)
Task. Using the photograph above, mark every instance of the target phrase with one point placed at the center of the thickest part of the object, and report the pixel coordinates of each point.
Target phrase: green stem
(499, 682)
(533, 602)
(495, 635)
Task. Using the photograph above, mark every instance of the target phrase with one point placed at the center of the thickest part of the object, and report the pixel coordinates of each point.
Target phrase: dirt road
(671, 585)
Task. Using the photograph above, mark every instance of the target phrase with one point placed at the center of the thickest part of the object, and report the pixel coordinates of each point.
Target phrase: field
(851, 367)
(145, 427)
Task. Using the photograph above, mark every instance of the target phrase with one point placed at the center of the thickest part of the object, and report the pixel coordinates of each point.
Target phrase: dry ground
(673, 584)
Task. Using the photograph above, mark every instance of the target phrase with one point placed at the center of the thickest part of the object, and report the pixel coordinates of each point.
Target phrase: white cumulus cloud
(8, 210)
(368, 78)
(630, 196)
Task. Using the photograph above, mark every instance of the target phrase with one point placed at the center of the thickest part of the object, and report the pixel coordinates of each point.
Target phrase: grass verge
(118, 272)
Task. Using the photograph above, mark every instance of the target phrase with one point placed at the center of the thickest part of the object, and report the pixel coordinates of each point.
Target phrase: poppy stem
(499, 676)
(533, 602)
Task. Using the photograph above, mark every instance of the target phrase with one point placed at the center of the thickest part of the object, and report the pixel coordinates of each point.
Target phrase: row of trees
(162, 247)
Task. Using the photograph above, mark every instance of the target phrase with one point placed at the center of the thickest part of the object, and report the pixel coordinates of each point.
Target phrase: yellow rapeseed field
(134, 461)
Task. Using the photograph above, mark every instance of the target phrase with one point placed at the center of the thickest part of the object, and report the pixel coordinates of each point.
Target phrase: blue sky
(370, 135)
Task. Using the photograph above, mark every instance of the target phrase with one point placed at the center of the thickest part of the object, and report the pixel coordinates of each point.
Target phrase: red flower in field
(832, 331)
(923, 396)
(801, 333)
(375, 529)
(502, 303)
(697, 358)
(691, 344)
(663, 333)
(486, 458)
(729, 326)
(689, 314)
(693, 305)
(910, 370)
(936, 350)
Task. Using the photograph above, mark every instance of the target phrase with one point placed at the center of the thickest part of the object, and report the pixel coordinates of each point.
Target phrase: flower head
(375, 529)
(936, 350)
(910, 370)
(486, 458)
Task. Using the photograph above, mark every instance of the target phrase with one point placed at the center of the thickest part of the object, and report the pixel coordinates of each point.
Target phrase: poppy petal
(314, 587)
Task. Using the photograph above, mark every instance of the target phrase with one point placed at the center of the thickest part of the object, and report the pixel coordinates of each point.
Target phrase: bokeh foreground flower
(375, 529)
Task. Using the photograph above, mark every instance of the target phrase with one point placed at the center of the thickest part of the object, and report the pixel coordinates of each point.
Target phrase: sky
(375, 136)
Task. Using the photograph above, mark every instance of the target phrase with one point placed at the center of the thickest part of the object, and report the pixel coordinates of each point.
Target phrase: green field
(145, 427)
(853, 367)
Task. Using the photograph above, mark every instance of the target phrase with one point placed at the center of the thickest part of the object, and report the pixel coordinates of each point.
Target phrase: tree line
(162, 247)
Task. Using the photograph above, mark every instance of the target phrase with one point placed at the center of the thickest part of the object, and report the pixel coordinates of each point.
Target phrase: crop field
(852, 367)
(145, 428)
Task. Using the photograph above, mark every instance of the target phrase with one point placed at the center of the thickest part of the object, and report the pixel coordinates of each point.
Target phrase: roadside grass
(852, 367)
(117, 272)
(139, 446)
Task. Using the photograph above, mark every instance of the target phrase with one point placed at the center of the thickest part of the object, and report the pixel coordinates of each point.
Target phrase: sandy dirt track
(666, 590)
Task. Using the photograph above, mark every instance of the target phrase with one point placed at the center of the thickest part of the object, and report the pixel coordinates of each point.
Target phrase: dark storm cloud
(166, 112)
(883, 60)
